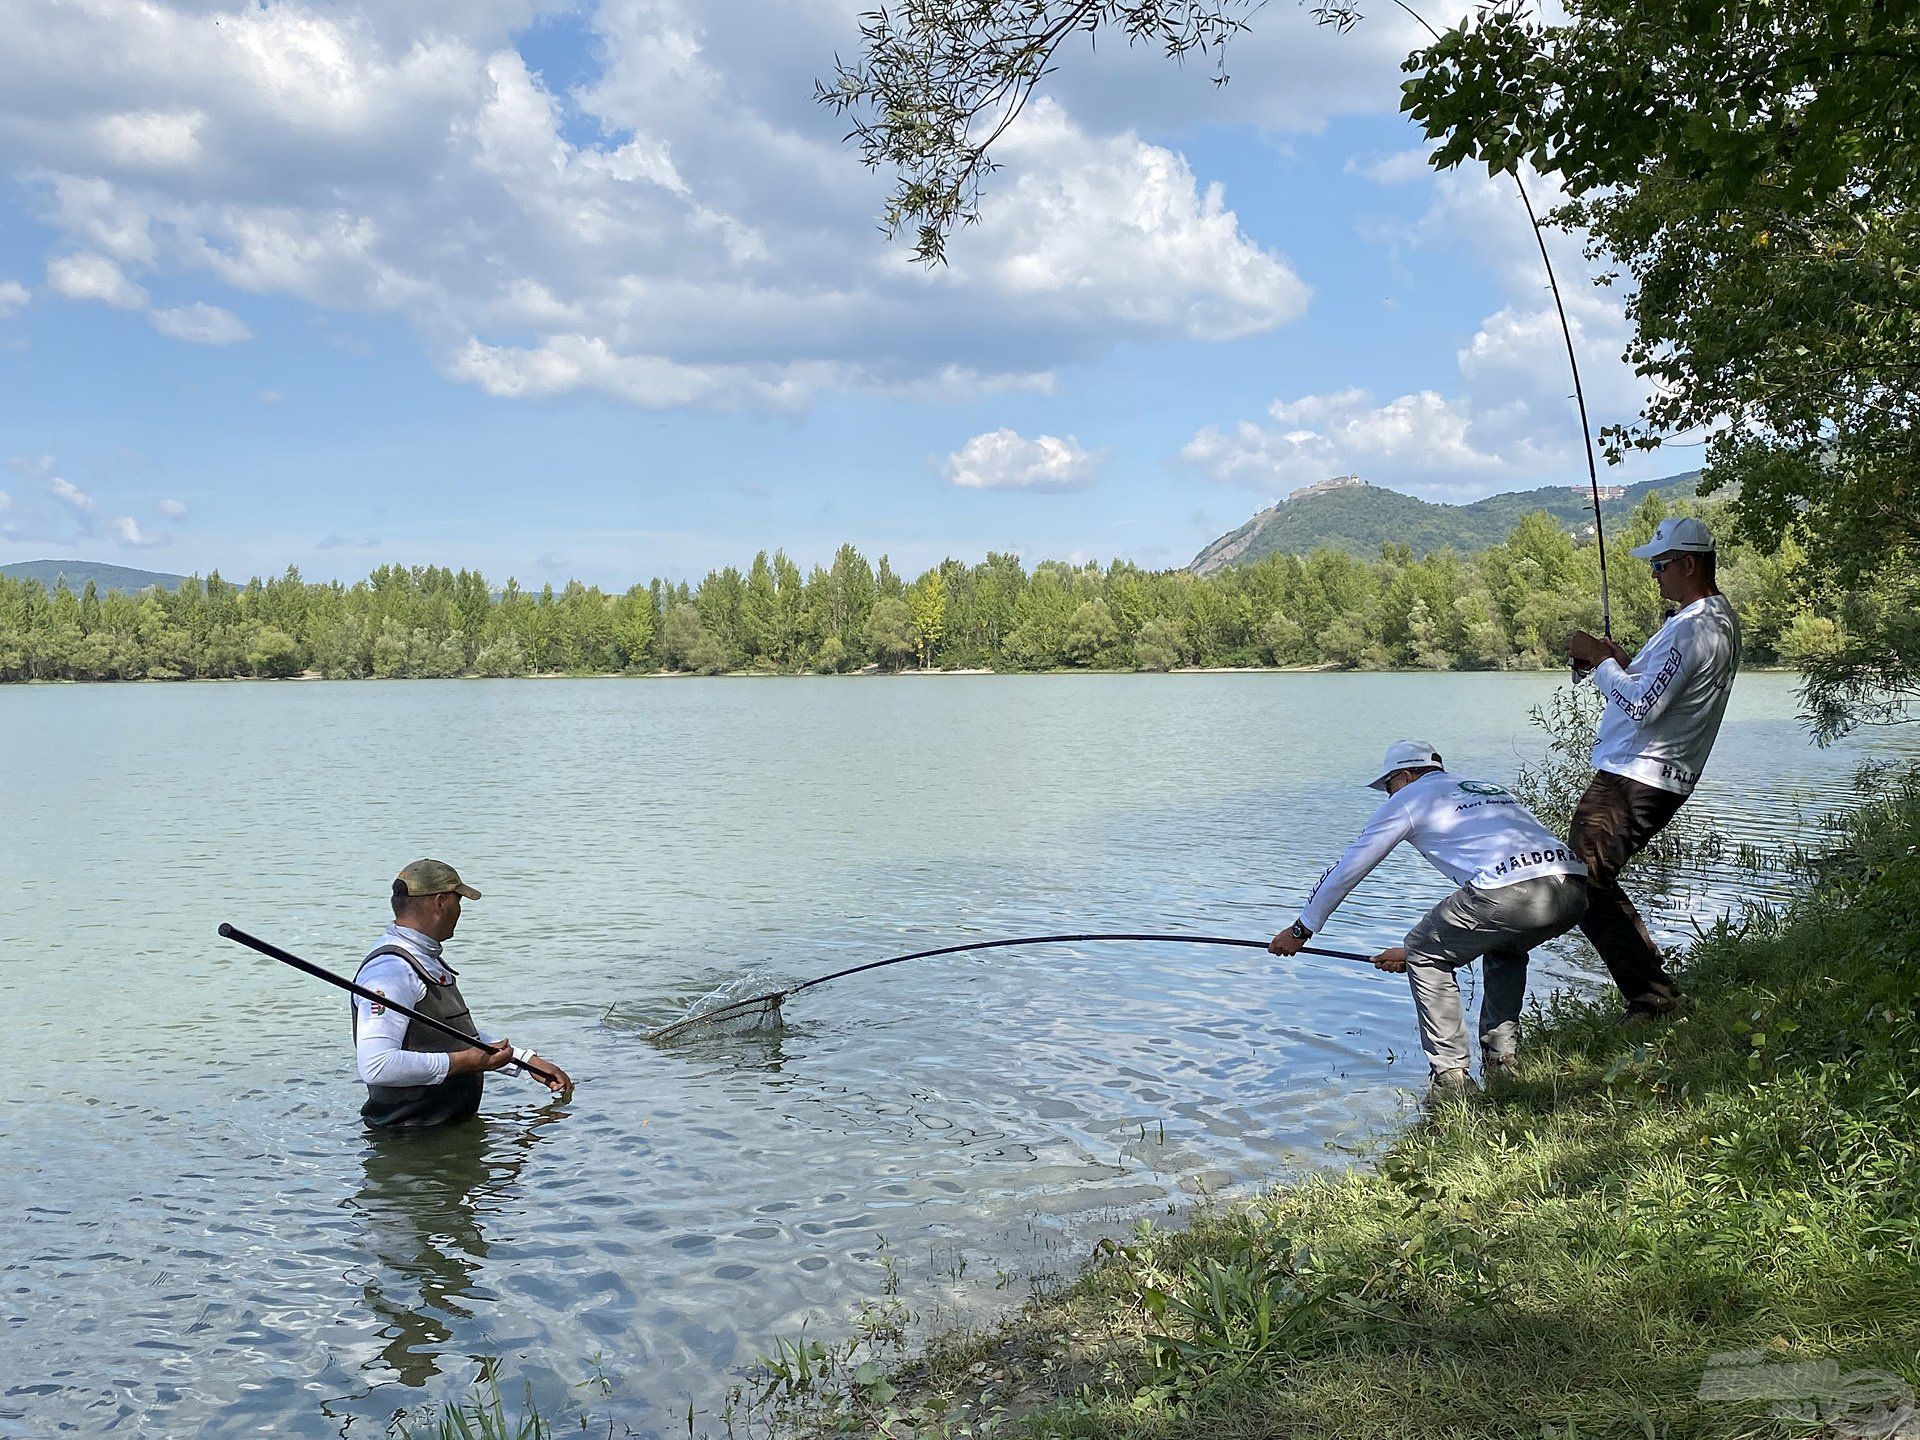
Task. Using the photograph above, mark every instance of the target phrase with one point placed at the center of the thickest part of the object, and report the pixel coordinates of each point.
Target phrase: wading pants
(1613, 822)
(1502, 926)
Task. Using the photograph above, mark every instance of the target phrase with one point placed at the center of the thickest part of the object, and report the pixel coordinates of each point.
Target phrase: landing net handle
(771, 1000)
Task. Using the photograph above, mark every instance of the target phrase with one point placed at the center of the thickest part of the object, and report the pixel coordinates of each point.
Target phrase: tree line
(1505, 607)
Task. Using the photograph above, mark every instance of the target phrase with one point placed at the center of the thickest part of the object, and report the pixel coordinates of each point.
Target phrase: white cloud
(654, 382)
(151, 139)
(1002, 460)
(94, 277)
(1319, 436)
(128, 532)
(1287, 75)
(1507, 419)
(272, 397)
(1394, 169)
(6, 501)
(686, 228)
(201, 325)
(70, 495)
(13, 296)
(1121, 228)
(172, 509)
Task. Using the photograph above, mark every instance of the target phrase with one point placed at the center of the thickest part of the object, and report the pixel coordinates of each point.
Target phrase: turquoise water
(199, 1239)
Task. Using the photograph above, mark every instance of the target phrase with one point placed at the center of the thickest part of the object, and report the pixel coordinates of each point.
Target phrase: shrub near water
(1639, 1236)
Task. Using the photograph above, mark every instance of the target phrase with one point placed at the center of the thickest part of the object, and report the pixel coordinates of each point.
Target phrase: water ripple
(198, 1239)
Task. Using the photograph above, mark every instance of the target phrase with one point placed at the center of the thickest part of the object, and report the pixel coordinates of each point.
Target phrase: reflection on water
(424, 1206)
(198, 1238)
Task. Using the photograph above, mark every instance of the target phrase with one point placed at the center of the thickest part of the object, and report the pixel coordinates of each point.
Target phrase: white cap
(1682, 533)
(1404, 755)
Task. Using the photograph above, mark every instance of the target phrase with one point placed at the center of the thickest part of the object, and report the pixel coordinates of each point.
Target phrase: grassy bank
(1638, 1236)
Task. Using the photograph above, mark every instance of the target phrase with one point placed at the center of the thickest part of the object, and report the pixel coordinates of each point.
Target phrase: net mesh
(738, 1017)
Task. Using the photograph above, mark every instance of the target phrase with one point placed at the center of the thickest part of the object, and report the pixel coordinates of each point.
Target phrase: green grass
(1568, 1256)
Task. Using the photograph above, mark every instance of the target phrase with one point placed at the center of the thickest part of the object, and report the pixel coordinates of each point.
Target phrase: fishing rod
(766, 1004)
(254, 942)
(1573, 364)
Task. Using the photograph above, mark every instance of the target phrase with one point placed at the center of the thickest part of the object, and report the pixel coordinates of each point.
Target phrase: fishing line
(760, 1011)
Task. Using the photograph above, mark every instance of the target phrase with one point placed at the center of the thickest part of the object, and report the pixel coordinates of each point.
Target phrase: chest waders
(391, 1107)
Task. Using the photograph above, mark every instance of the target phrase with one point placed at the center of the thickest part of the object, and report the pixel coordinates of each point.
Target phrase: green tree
(1751, 171)
(1281, 637)
(273, 654)
(1091, 635)
(889, 637)
(634, 624)
(1160, 645)
(927, 602)
(683, 638)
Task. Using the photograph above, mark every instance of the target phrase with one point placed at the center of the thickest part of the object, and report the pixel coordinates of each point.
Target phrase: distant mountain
(78, 572)
(1359, 518)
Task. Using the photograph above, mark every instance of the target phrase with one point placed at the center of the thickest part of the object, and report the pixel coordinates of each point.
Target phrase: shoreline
(868, 673)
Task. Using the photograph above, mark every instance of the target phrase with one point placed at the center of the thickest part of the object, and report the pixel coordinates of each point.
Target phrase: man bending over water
(1520, 886)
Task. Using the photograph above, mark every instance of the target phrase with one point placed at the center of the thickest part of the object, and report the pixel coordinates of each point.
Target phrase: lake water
(197, 1238)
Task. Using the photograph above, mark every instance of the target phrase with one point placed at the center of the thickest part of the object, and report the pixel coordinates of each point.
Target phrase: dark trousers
(1613, 822)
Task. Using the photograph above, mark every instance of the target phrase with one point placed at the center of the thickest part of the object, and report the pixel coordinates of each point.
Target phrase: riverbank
(1710, 1227)
(864, 672)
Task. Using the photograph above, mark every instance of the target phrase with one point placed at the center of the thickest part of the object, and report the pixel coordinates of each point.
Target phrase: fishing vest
(412, 1106)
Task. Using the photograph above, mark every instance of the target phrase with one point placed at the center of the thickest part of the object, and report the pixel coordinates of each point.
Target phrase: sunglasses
(1659, 565)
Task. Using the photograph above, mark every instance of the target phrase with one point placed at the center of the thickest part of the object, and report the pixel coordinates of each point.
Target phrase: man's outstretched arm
(1388, 827)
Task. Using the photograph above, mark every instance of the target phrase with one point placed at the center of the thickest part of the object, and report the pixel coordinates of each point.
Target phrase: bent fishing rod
(1573, 364)
(773, 998)
(307, 967)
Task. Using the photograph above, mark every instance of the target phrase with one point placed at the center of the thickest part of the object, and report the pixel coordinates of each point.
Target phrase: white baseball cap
(1404, 755)
(1682, 533)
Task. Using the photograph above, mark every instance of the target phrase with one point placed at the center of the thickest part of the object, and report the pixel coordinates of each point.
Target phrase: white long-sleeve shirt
(1663, 708)
(380, 1032)
(1473, 832)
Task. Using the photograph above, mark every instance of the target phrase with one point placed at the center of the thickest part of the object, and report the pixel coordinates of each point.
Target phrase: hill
(1360, 518)
(78, 572)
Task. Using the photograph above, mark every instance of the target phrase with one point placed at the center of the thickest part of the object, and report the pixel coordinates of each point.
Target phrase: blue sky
(595, 291)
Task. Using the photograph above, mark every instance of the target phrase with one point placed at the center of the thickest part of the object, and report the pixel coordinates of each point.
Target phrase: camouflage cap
(434, 877)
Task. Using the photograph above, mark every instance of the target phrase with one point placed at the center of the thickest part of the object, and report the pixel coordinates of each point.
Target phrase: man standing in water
(414, 1075)
(1519, 887)
(1663, 711)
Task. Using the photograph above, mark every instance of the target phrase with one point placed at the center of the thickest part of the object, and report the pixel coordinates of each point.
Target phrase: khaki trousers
(1502, 926)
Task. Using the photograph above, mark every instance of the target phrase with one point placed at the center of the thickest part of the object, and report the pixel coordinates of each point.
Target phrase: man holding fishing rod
(1663, 712)
(1520, 886)
(416, 1075)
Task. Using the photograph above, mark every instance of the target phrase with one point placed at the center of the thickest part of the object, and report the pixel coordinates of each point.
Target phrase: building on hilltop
(1607, 492)
(1338, 482)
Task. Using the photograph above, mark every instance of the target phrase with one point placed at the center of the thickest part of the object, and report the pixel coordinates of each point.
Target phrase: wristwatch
(1299, 931)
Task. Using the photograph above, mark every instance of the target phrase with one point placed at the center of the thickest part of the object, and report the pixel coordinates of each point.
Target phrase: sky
(561, 290)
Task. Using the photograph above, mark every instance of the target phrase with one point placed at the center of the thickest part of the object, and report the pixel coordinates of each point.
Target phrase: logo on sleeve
(374, 1007)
